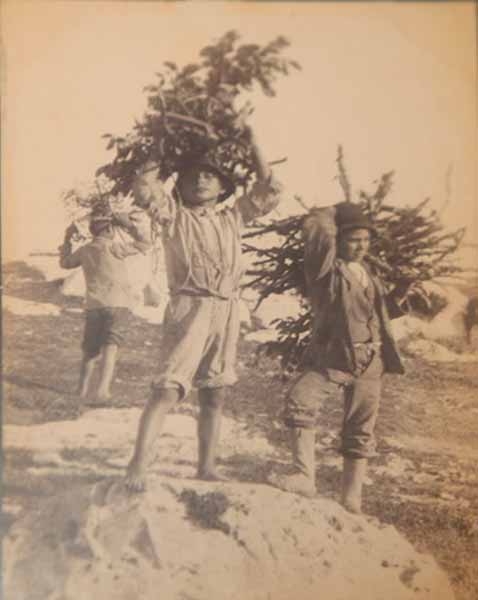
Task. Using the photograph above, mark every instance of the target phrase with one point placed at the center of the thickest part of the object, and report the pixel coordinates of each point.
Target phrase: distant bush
(430, 308)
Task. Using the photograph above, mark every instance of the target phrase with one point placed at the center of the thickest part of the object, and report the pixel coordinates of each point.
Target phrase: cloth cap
(351, 216)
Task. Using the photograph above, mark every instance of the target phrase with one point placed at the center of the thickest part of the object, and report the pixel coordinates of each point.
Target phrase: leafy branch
(193, 110)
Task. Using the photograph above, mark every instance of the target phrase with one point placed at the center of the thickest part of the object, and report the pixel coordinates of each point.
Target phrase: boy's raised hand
(121, 219)
(70, 231)
(240, 122)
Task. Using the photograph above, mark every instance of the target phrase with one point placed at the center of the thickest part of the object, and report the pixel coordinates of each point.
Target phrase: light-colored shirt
(107, 278)
(202, 246)
(359, 272)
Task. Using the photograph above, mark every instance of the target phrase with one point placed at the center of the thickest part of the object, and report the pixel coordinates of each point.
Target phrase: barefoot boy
(203, 259)
(351, 347)
(109, 295)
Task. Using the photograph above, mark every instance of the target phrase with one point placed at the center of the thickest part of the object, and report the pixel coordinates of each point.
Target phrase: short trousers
(104, 326)
(199, 343)
(361, 396)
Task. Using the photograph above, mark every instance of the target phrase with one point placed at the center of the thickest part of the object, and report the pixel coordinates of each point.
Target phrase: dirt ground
(424, 482)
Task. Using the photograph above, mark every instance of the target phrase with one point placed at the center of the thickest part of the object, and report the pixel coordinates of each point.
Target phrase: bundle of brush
(87, 199)
(87, 204)
(411, 247)
(193, 111)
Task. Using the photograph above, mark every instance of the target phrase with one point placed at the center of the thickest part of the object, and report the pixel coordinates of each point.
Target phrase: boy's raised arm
(138, 224)
(320, 242)
(69, 259)
(148, 191)
(266, 191)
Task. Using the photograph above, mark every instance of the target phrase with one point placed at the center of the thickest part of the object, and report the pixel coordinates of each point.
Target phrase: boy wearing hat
(202, 248)
(109, 294)
(351, 347)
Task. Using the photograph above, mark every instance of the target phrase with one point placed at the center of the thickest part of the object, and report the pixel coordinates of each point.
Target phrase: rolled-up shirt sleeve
(260, 200)
(320, 245)
(149, 189)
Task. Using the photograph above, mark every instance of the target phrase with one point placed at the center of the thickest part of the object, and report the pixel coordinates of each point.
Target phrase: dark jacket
(328, 287)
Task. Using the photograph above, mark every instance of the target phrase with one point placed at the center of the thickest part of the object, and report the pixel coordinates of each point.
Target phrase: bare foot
(211, 476)
(135, 480)
(353, 506)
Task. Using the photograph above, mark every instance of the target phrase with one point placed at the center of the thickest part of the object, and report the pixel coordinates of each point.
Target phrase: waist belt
(373, 345)
(204, 294)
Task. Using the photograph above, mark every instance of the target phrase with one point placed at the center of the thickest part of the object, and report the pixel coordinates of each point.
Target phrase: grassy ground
(427, 423)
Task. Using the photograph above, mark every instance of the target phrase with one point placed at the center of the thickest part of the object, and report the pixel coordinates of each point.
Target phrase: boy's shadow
(246, 468)
(29, 384)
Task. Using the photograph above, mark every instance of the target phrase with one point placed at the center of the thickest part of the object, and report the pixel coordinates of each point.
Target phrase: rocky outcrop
(22, 308)
(435, 352)
(448, 323)
(186, 539)
(190, 540)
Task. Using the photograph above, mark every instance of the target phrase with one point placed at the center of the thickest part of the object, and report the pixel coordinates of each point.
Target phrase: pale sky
(394, 83)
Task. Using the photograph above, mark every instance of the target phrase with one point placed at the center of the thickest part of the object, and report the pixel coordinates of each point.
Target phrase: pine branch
(412, 246)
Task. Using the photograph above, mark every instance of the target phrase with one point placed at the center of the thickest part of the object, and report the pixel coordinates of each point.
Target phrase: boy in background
(109, 293)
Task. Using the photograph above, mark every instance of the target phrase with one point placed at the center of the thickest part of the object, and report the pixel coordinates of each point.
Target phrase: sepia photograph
(239, 300)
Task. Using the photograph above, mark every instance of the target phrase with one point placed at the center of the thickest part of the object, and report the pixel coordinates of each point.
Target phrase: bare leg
(211, 401)
(107, 369)
(150, 426)
(86, 371)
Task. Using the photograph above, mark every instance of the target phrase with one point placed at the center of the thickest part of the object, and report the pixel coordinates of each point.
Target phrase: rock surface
(21, 307)
(185, 539)
(100, 442)
(435, 352)
(448, 323)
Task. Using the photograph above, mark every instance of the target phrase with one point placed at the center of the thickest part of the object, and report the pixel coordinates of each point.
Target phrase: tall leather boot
(353, 474)
(302, 481)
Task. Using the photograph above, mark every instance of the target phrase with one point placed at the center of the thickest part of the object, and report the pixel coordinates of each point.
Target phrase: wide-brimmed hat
(351, 216)
(208, 164)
